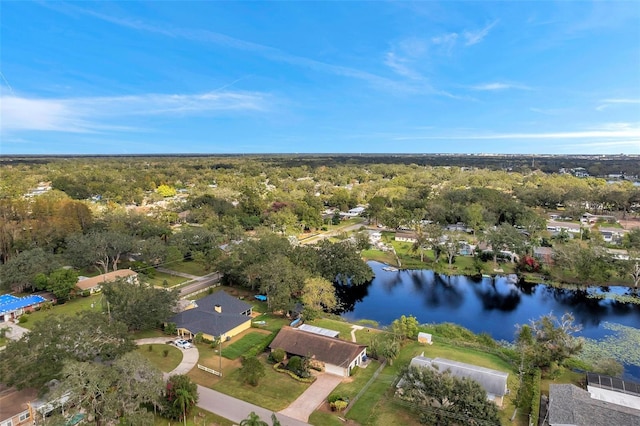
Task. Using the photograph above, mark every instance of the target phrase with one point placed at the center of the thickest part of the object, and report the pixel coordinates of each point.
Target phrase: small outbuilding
(424, 338)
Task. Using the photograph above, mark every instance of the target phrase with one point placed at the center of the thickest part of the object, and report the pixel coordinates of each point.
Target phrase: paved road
(201, 283)
(310, 399)
(237, 410)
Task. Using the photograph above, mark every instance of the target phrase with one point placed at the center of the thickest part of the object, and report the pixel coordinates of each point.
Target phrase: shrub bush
(22, 319)
(165, 353)
(338, 405)
(277, 355)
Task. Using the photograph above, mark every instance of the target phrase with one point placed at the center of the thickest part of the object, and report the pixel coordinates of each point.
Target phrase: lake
(491, 305)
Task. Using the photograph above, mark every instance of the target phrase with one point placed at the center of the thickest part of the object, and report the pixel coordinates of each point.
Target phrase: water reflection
(491, 305)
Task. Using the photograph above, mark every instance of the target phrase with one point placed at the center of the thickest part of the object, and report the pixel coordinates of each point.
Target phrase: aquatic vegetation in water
(622, 298)
(623, 345)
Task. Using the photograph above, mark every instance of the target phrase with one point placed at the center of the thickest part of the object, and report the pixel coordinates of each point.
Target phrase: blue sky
(313, 77)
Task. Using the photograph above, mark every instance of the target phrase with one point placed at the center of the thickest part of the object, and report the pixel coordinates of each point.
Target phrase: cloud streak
(475, 37)
(93, 114)
(610, 131)
(606, 103)
(499, 86)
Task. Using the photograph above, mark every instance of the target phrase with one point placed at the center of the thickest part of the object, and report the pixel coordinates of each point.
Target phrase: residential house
(11, 307)
(612, 235)
(406, 236)
(218, 315)
(94, 284)
(543, 254)
(338, 356)
(494, 382)
(354, 212)
(15, 409)
(570, 405)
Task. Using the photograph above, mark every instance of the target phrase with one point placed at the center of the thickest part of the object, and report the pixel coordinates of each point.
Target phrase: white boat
(390, 269)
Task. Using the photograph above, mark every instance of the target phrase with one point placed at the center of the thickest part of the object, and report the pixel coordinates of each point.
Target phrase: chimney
(218, 309)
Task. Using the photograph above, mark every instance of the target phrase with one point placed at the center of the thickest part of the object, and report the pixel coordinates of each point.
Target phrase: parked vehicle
(182, 344)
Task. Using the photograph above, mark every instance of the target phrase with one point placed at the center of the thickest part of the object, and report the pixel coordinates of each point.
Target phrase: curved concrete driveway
(189, 356)
(310, 399)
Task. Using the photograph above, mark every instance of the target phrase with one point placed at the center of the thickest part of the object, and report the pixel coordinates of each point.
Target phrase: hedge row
(293, 375)
(260, 347)
(535, 398)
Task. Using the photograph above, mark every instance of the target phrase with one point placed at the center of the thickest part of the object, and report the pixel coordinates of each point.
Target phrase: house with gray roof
(494, 382)
(337, 356)
(571, 406)
(218, 315)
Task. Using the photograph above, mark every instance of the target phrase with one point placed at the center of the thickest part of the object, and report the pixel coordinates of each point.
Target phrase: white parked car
(183, 344)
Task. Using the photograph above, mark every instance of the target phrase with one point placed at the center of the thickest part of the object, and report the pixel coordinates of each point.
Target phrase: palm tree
(184, 399)
(253, 420)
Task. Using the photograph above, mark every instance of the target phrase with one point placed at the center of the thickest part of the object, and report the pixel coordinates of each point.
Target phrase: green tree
(100, 249)
(251, 371)
(504, 237)
(405, 327)
(138, 305)
(19, 273)
(39, 355)
(180, 396)
(253, 420)
(549, 340)
(112, 392)
(443, 399)
(318, 294)
(60, 282)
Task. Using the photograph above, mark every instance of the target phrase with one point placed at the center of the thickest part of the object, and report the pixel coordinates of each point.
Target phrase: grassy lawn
(236, 349)
(193, 268)
(157, 358)
(69, 309)
(566, 376)
(379, 256)
(160, 277)
(145, 334)
(274, 392)
(379, 407)
(273, 322)
(197, 417)
(343, 327)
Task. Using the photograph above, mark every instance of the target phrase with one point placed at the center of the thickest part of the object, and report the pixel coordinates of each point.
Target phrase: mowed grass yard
(274, 392)
(240, 347)
(193, 268)
(159, 278)
(197, 417)
(70, 308)
(378, 406)
(157, 358)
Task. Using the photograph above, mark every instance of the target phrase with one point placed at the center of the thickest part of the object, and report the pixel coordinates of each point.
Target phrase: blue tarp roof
(10, 303)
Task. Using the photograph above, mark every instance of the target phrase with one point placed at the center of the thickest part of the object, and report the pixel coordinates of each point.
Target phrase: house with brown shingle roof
(15, 407)
(338, 356)
(93, 284)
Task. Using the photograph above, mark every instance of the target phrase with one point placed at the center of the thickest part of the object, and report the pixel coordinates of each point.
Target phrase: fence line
(210, 370)
(365, 387)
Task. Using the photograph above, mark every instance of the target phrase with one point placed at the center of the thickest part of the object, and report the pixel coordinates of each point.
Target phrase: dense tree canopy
(440, 398)
(138, 305)
(39, 355)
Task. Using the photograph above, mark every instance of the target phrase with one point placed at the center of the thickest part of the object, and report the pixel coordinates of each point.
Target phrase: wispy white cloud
(499, 86)
(96, 114)
(475, 37)
(548, 111)
(400, 65)
(271, 53)
(607, 130)
(606, 103)
(446, 42)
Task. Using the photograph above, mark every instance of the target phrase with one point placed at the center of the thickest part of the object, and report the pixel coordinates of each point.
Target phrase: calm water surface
(491, 305)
